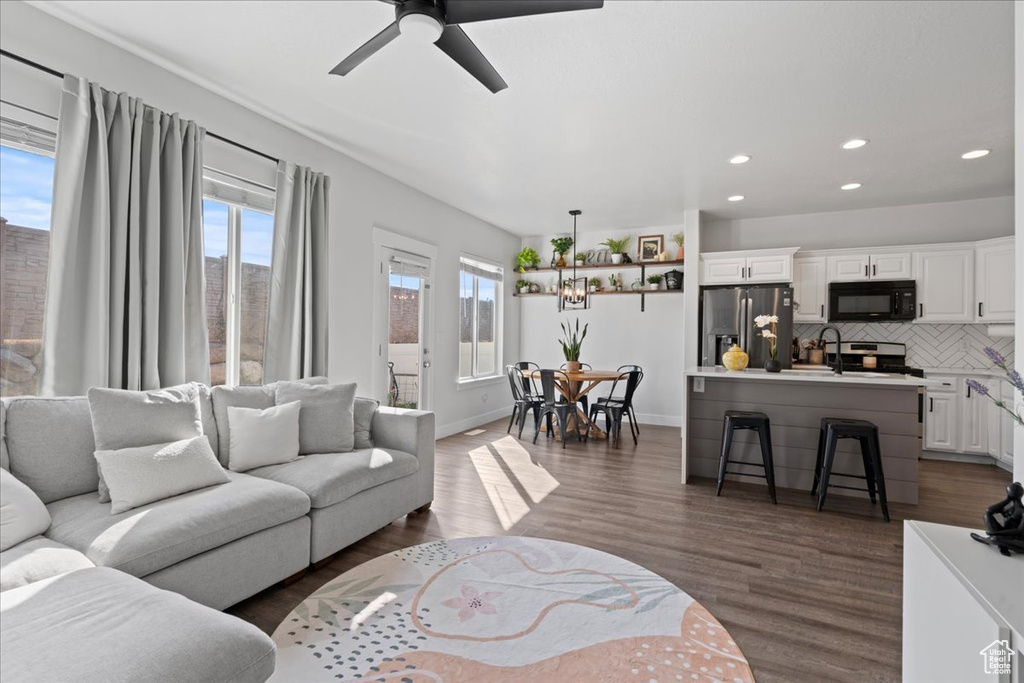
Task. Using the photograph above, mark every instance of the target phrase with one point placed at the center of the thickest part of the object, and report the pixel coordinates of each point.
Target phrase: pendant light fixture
(573, 292)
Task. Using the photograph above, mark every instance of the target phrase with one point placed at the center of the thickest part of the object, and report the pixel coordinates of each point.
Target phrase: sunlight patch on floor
(534, 479)
(509, 478)
(475, 432)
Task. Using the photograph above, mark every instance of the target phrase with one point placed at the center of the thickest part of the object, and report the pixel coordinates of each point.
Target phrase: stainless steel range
(868, 356)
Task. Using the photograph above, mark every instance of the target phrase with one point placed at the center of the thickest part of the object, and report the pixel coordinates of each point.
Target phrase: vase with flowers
(769, 326)
(1012, 376)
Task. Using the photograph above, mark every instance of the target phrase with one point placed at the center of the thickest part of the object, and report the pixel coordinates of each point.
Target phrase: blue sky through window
(257, 233)
(26, 188)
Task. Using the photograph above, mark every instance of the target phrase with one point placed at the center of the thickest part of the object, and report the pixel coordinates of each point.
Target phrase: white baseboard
(442, 431)
(662, 420)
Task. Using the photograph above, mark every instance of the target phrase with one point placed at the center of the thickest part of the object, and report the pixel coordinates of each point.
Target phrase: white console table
(959, 597)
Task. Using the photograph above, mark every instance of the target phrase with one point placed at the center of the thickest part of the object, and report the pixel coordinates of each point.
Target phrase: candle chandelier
(572, 293)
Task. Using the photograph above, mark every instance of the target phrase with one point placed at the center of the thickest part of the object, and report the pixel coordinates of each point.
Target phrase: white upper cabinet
(896, 266)
(945, 286)
(737, 268)
(993, 281)
(849, 267)
(810, 289)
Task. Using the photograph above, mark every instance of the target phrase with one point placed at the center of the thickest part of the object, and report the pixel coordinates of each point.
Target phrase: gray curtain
(126, 295)
(296, 344)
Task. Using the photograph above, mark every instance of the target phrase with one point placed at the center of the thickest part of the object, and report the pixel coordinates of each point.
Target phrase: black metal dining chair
(522, 402)
(529, 385)
(584, 401)
(614, 409)
(553, 404)
(634, 426)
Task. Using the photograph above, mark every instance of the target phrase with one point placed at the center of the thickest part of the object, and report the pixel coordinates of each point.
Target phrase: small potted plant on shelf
(527, 258)
(523, 286)
(561, 245)
(616, 247)
(615, 282)
(571, 342)
(654, 282)
(680, 239)
(594, 284)
(581, 258)
(769, 326)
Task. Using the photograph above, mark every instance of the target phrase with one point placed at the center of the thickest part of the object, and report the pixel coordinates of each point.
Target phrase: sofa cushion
(326, 420)
(50, 445)
(362, 415)
(329, 478)
(147, 474)
(101, 625)
(152, 537)
(258, 397)
(263, 437)
(22, 514)
(128, 419)
(36, 559)
(206, 413)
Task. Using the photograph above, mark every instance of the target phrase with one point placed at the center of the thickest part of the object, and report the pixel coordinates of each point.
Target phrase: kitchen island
(795, 401)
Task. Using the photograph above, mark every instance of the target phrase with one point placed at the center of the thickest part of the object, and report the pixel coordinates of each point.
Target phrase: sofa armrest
(406, 430)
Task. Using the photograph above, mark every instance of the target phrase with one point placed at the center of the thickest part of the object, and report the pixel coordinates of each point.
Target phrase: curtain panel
(126, 295)
(296, 341)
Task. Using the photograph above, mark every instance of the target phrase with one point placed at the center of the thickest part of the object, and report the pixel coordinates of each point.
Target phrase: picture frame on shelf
(649, 246)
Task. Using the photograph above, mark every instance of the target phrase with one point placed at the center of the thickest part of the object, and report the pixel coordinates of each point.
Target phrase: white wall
(1018, 444)
(962, 221)
(361, 198)
(619, 333)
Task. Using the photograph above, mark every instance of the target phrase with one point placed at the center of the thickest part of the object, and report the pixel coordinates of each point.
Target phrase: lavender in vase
(1012, 375)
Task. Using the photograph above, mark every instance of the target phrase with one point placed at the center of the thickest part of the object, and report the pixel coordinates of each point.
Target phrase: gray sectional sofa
(215, 546)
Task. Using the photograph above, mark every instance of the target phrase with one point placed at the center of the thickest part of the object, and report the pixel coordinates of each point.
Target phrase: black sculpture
(1008, 534)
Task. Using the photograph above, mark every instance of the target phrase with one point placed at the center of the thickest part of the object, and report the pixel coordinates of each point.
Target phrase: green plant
(654, 279)
(581, 257)
(527, 258)
(679, 238)
(616, 246)
(522, 283)
(561, 244)
(572, 340)
(594, 282)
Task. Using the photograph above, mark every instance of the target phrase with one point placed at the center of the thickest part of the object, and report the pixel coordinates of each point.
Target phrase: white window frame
(499, 293)
(237, 194)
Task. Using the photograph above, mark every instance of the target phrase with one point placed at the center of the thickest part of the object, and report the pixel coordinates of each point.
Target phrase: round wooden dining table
(575, 386)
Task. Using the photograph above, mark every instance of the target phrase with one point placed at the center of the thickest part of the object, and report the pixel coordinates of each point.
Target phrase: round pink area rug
(504, 609)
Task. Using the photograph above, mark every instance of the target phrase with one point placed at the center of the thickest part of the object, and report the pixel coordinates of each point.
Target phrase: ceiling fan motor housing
(420, 19)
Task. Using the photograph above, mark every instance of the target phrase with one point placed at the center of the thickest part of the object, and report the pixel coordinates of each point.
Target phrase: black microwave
(872, 301)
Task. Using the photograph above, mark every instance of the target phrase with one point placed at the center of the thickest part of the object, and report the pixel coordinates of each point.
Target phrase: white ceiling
(629, 112)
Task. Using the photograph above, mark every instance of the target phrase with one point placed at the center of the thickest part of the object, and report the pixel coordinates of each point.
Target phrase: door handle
(931, 404)
(425, 364)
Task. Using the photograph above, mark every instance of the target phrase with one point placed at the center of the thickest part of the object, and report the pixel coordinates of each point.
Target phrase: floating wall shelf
(643, 265)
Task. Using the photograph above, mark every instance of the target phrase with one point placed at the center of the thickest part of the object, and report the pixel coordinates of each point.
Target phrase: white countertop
(815, 376)
(996, 581)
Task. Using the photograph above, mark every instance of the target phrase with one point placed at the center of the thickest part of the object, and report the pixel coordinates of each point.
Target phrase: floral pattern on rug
(508, 608)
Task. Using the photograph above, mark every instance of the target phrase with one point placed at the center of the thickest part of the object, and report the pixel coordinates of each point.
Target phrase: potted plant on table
(680, 239)
(594, 284)
(523, 286)
(571, 342)
(527, 258)
(616, 247)
(653, 282)
(769, 326)
(562, 246)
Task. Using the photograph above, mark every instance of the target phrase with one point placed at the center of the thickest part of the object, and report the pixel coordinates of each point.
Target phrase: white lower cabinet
(1006, 425)
(958, 419)
(974, 412)
(942, 416)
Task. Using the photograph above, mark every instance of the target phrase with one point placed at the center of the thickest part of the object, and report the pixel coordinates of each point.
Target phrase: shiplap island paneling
(795, 407)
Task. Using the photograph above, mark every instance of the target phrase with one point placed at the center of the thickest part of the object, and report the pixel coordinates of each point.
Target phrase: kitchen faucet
(839, 347)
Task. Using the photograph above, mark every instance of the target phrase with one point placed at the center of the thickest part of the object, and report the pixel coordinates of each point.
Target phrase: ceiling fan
(437, 21)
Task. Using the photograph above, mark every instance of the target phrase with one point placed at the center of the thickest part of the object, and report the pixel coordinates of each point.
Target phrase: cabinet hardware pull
(931, 404)
(968, 391)
(980, 314)
(865, 270)
(823, 310)
(921, 314)
(874, 270)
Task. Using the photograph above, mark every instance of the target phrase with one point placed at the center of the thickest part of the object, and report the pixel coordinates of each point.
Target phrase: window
(479, 319)
(26, 191)
(238, 229)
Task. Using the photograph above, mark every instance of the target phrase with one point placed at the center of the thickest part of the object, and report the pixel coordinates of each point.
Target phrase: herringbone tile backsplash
(928, 346)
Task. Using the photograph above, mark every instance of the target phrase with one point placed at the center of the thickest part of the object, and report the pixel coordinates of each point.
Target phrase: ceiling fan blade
(456, 44)
(466, 11)
(367, 49)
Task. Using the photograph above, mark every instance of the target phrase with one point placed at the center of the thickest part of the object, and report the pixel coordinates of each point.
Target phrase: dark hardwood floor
(808, 596)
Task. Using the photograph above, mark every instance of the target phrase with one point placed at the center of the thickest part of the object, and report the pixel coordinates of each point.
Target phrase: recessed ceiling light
(736, 198)
(740, 159)
(850, 186)
(975, 154)
(855, 143)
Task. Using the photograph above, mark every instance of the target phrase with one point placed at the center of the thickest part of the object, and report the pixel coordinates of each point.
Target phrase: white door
(891, 266)
(941, 420)
(974, 411)
(406, 350)
(723, 271)
(774, 268)
(994, 283)
(810, 289)
(848, 267)
(945, 286)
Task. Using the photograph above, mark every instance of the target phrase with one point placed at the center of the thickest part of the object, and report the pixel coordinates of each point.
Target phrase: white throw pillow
(22, 514)
(263, 437)
(145, 474)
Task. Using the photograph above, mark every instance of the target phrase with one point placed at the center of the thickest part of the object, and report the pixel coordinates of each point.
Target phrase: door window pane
(26, 190)
(215, 241)
(404, 338)
(257, 244)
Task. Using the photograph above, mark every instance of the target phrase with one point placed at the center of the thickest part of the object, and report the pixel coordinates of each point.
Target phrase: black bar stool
(835, 428)
(738, 419)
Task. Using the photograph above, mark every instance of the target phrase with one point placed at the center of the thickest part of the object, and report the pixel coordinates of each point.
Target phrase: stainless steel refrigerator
(727, 318)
